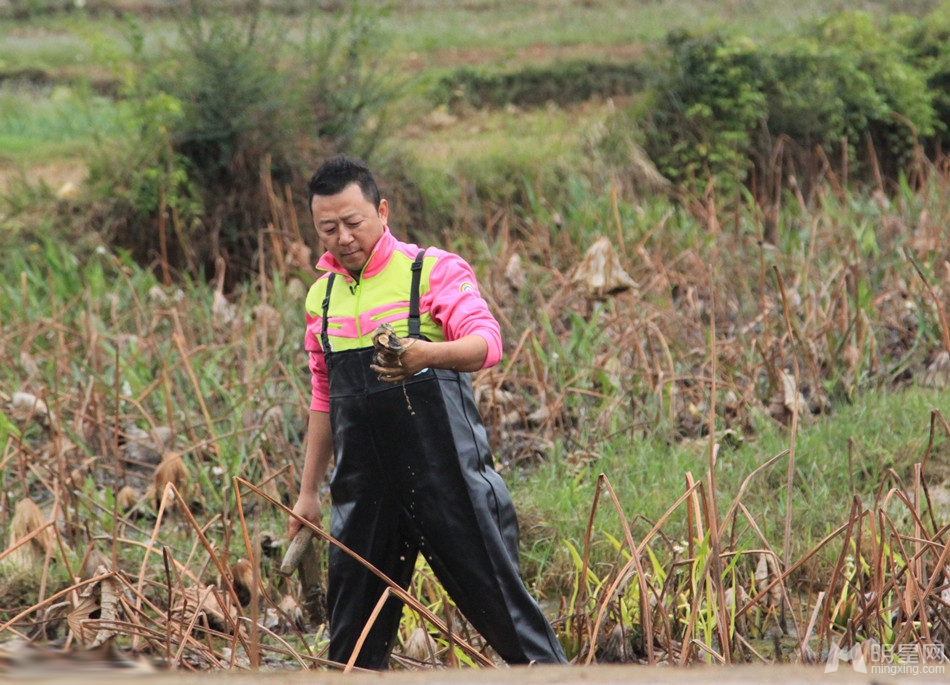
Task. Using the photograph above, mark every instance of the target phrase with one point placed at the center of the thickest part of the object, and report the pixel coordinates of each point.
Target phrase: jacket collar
(378, 258)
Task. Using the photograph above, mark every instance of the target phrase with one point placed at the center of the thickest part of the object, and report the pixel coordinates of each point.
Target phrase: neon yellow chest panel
(356, 308)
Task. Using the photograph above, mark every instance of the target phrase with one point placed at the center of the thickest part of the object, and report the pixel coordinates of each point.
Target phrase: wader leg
(372, 530)
(466, 519)
(469, 555)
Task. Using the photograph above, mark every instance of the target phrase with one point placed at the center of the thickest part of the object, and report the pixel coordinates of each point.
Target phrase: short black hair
(337, 173)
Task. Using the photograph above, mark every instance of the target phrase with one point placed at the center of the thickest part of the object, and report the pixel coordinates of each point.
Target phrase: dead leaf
(146, 447)
(109, 595)
(761, 573)
(267, 320)
(127, 498)
(95, 610)
(96, 564)
(27, 519)
(938, 373)
(286, 617)
(25, 406)
(207, 607)
(79, 618)
(420, 646)
(787, 400)
(299, 256)
(600, 273)
(29, 364)
(615, 646)
(242, 579)
(514, 273)
(171, 471)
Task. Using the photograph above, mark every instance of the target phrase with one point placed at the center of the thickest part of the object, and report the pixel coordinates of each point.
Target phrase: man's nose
(346, 236)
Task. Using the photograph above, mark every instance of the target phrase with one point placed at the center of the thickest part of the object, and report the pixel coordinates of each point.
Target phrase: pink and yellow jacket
(450, 305)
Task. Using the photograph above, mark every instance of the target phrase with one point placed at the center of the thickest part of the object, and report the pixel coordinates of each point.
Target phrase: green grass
(495, 28)
(75, 45)
(435, 25)
(44, 124)
(494, 153)
(851, 452)
(42, 47)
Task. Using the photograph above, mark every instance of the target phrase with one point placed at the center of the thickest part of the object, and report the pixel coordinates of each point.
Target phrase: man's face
(349, 226)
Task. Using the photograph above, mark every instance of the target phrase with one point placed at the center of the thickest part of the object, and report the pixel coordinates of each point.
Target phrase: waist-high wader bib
(414, 473)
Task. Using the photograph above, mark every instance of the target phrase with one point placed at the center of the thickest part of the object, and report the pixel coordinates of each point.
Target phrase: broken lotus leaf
(600, 273)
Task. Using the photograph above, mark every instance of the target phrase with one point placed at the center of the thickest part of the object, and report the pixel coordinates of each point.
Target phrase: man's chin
(352, 263)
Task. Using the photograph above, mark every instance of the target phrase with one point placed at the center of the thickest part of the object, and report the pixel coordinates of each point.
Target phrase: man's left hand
(394, 368)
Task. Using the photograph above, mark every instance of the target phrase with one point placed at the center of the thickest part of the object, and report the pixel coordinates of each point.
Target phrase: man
(412, 467)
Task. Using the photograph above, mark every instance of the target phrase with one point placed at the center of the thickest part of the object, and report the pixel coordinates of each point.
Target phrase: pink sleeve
(319, 382)
(455, 303)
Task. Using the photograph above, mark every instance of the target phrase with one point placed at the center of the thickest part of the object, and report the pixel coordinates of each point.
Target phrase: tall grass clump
(224, 119)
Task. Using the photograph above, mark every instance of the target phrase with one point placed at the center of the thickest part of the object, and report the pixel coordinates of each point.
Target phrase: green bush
(349, 82)
(707, 101)
(135, 172)
(239, 121)
(846, 78)
(721, 103)
(233, 103)
(929, 42)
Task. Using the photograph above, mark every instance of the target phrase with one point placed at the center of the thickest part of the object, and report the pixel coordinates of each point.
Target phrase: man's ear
(383, 210)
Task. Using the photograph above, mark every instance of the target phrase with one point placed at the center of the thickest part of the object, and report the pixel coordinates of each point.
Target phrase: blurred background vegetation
(184, 106)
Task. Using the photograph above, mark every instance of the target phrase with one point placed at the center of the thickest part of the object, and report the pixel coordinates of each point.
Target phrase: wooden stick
(302, 556)
(295, 551)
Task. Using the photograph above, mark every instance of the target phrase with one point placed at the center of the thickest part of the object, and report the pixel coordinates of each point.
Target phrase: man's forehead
(350, 200)
(332, 214)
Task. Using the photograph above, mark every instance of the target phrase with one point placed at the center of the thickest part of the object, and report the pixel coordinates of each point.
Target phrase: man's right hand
(307, 507)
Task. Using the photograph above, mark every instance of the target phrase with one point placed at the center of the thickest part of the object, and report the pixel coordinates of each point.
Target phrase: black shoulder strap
(414, 295)
(324, 338)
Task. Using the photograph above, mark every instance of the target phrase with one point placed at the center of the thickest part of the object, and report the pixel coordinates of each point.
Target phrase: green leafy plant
(850, 80)
(929, 45)
(349, 81)
(708, 101)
